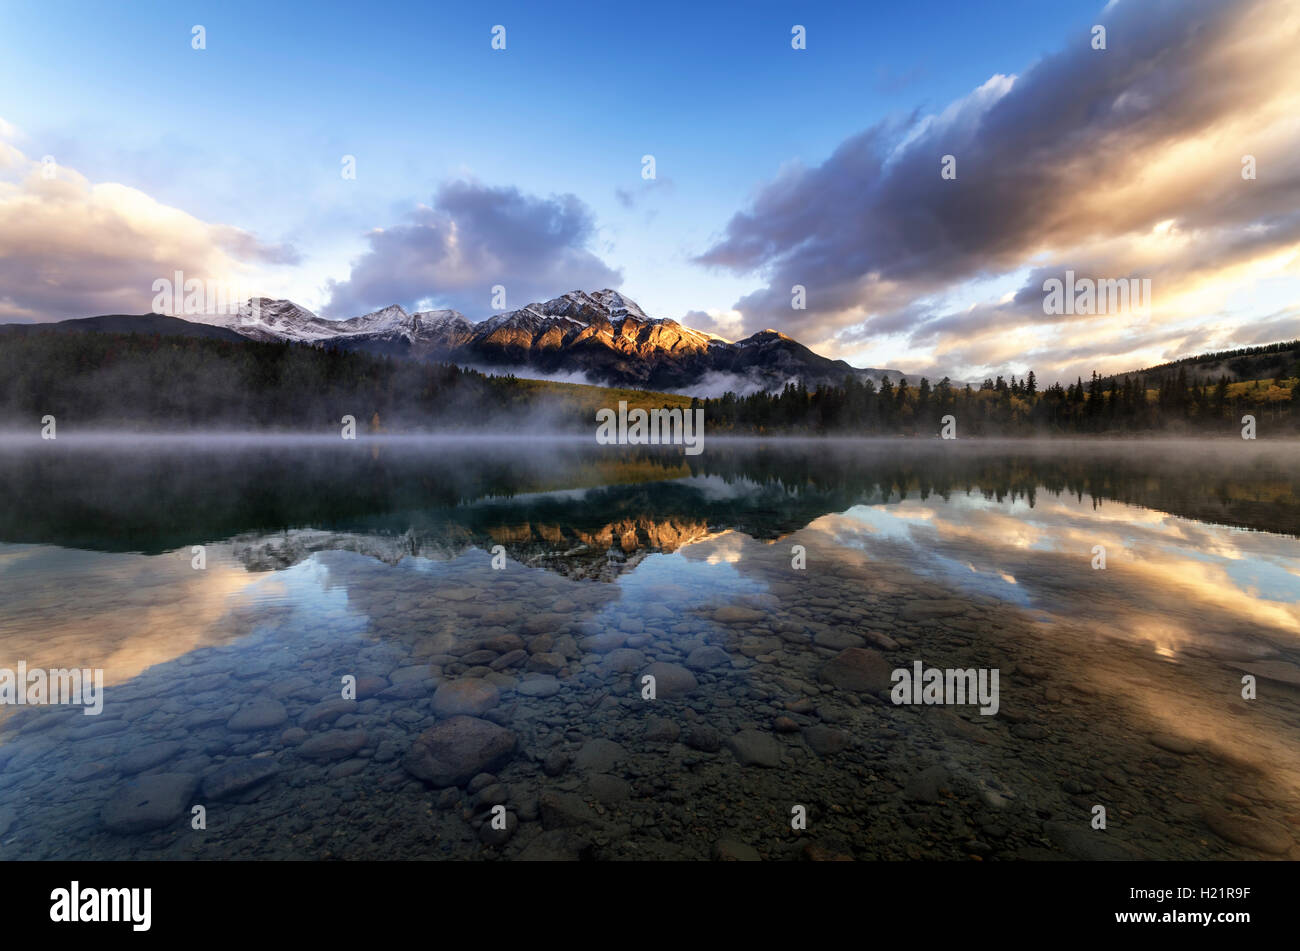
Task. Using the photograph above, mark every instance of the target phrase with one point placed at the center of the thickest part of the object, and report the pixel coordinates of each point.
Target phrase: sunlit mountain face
(532, 592)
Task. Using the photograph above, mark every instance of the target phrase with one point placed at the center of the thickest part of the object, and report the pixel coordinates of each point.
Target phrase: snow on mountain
(600, 335)
(268, 320)
(389, 319)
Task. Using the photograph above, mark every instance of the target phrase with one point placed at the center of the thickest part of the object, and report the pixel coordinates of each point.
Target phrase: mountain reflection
(548, 500)
(753, 567)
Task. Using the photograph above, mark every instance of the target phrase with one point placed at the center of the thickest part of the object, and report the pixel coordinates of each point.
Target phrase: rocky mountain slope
(600, 337)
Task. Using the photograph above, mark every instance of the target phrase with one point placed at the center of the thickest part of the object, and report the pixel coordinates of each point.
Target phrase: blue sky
(250, 133)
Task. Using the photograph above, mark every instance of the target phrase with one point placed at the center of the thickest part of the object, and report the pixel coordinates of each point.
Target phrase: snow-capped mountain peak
(384, 320)
(600, 335)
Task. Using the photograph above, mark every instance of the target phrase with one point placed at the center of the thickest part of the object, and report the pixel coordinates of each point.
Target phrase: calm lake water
(497, 605)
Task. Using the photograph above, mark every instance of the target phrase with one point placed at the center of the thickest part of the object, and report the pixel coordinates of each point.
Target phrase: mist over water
(530, 583)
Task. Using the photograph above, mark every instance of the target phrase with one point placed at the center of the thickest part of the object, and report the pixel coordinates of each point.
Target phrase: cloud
(726, 324)
(630, 197)
(473, 238)
(525, 372)
(1123, 162)
(73, 248)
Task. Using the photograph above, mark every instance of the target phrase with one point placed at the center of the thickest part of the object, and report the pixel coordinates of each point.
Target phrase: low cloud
(727, 324)
(525, 372)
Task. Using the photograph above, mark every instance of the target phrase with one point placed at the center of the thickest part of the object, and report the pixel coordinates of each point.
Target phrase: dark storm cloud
(1074, 155)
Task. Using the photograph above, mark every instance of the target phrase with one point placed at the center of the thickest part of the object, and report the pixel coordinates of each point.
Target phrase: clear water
(1119, 688)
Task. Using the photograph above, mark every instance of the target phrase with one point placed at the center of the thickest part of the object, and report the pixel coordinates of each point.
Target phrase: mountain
(601, 337)
(1271, 361)
(127, 324)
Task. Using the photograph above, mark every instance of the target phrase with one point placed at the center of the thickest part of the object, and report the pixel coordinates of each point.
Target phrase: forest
(134, 381)
(1171, 403)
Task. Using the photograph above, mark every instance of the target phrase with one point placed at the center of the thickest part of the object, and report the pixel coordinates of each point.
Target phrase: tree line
(109, 380)
(1173, 402)
(138, 380)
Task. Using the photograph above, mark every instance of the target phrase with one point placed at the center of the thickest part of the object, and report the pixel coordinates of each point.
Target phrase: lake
(411, 649)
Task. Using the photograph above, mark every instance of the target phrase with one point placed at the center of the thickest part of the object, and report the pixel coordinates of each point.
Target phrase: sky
(348, 157)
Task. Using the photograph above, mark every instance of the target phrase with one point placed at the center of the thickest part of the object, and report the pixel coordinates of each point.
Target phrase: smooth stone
(734, 614)
(556, 762)
(825, 740)
(926, 610)
(505, 643)
(334, 744)
(416, 673)
(1085, 842)
(859, 669)
(258, 715)
(661, 730)
(410, 690)
(600, 643)
(671, 680)
(708, 657)
(326, 712)
(546, 662)
(753, 748)
(293, 736)
(623, 659)
(347, 768)
(838, 640)
(541, 686)
(468, 696)
(704, 738)
(561, 810)
(883, 641)
(599, 755)
(146, 757)
(925, 785)
(758, 646)
(510, 659)
(452, 752)
(370, 685)
(609, 789)
(234, 778)
(149, 802)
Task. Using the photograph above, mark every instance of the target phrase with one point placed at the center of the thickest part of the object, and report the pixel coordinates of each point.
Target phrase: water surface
(747, 570)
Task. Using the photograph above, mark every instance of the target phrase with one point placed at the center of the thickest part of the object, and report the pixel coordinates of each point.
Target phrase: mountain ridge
(601, 336)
